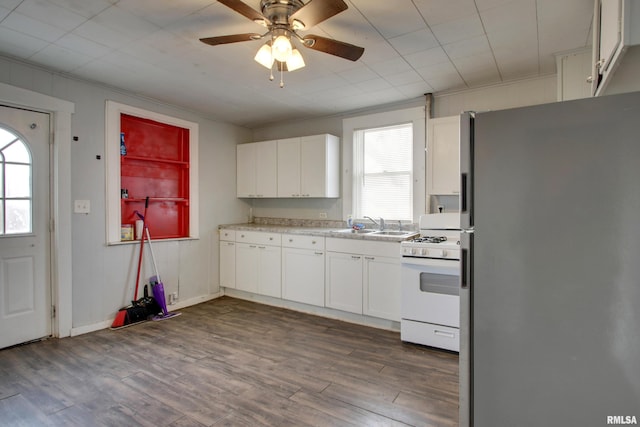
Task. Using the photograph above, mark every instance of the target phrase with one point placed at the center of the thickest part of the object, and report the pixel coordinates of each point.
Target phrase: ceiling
(412, 47)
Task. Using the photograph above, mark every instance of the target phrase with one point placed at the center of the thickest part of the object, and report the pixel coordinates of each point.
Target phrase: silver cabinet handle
(319, 253)
(444, 334)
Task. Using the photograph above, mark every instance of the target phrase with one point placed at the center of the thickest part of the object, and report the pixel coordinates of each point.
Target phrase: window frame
(416, 116)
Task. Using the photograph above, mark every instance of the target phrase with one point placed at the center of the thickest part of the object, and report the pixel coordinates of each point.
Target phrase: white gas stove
(430, 283)
(439, 238)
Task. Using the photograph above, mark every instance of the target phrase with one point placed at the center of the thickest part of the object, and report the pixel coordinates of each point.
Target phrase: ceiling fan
(283, 18)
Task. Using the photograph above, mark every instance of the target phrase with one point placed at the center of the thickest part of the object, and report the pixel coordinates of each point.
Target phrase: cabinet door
(303, 276)
(246, 170)
(344, 282)
(382, 287)
(443, 156)
(247, 267)
(319, 166)
(289, 167)
(228, 264)
(266, 169)
(269, 273)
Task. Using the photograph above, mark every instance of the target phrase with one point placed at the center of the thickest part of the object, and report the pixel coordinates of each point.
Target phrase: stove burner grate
(430, 239)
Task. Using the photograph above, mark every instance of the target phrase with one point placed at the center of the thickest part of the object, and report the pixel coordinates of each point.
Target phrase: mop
(157, 287)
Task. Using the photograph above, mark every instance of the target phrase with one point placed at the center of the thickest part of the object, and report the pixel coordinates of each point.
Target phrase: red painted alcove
(156, 166)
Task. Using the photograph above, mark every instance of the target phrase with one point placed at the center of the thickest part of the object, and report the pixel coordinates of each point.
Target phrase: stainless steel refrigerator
(550, 271)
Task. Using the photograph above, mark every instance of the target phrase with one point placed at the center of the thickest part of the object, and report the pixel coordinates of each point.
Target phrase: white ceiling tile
(51, 14)
(82, 46)
(404, 78)
(86, 8)
(458, 29)
(413, 90)
(24, 24)
(361, 73)
(125, 23)
(427, 57)
(440, 11)
(61, 59)
(391, 18)
(469, 47)
(374, 85)
(478, 70)
(414, 41)
(439, 70)
(18, 44)
(10, 4)
(392, 66)
(4, 12)
(164, 12)
(447, 82)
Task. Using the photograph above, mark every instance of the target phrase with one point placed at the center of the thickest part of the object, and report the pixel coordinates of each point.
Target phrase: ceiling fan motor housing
(279, 11)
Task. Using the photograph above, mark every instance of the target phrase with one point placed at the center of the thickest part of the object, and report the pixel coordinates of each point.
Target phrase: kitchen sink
(394, 233)
(351, 230)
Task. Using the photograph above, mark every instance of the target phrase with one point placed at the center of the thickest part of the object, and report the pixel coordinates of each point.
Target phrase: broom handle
(153, 258)
(144, 225)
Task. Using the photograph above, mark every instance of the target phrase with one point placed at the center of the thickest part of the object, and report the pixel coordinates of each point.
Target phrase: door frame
(60, 112)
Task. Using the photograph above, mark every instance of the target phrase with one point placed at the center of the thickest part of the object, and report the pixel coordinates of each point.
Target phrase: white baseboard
(177, 306)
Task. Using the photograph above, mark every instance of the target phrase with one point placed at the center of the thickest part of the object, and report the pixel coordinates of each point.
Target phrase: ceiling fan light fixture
(264, 57)
(295, 61)
(281, 48)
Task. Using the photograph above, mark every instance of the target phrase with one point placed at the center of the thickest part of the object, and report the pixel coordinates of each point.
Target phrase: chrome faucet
(380, 224)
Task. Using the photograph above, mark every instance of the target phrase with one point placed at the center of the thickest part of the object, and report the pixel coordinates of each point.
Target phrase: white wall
(498, 97)
(104, 276)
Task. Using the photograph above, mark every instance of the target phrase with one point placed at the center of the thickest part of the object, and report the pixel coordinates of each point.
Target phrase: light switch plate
(82, 206)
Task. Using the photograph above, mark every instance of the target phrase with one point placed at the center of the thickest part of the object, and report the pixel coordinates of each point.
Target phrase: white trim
(61, 273)
(416, 115)
(112, 154)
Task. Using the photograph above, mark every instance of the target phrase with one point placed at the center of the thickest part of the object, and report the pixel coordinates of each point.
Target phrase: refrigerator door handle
(466, 170)
(466, 242)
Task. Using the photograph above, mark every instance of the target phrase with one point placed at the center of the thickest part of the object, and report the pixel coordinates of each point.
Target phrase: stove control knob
(439, 253)
(424, 251)
(444, 253)
(414, 251)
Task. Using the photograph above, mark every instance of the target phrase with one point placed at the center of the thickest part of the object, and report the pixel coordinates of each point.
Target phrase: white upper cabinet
(257, 169)
(309, 166)
(443, 156)
(616, 54)
(289, 167)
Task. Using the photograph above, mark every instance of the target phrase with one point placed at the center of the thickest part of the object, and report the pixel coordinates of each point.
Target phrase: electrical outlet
(82, 206)
(323, 215)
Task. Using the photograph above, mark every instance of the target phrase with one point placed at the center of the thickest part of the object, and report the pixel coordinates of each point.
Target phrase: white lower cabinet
(382, 290)
(364, 277)
(303, 269)
(227, 259)
(343, 285)
(258, 259)
(355, 276)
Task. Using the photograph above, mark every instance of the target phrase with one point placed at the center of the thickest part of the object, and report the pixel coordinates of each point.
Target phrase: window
(383, 172)
(15, 185)
(353, 160)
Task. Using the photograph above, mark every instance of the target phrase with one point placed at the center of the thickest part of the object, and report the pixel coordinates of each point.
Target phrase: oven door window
(435, 283)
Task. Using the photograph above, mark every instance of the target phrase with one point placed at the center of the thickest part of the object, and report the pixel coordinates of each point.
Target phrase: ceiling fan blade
(317, 11)
(214, 41)
(243, 9)
(333, 47)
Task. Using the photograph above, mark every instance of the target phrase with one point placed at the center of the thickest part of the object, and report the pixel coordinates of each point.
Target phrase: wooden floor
(230, 362)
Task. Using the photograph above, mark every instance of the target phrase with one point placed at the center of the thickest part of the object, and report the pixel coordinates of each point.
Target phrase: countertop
(314, 231)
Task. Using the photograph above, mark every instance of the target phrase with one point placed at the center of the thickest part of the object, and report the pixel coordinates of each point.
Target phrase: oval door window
(15, 185)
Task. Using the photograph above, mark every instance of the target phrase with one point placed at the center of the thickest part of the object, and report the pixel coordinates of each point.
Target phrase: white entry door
(25, 289)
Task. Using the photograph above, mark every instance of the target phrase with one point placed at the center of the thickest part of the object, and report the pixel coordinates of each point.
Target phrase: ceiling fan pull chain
(282, 77)
(271, 72)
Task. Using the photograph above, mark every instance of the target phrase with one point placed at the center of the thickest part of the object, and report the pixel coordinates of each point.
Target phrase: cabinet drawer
(302, 242)
(229, 235)
(258, 237)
